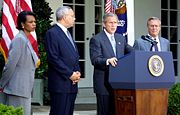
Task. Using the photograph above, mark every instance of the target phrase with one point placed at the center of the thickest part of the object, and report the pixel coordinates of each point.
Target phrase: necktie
(70, 39)
(113, 43)
(155, 46)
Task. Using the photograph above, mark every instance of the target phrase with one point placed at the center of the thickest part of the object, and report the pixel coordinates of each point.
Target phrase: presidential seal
(156, 65)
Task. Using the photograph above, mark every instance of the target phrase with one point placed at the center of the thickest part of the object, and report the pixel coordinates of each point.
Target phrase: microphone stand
(148, 38)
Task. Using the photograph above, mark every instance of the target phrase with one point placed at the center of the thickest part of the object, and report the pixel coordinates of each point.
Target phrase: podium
(140, 83)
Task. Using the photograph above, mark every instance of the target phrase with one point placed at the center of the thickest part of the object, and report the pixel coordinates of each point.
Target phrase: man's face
(154, 27)
(110, 24)
(70, 18)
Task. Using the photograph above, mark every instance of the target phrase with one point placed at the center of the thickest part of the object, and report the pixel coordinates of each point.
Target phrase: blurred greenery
(43, 23)
(10, 110)
(174, 100)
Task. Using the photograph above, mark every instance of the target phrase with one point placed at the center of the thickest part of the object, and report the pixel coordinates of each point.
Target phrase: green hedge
(10, 110)
(174, 100)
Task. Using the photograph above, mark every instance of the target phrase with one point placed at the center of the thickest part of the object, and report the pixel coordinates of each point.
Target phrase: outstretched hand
(113, 61)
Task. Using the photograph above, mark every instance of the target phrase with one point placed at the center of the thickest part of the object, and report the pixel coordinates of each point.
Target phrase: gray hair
(153, 18)
(61, 12)
(109, 15)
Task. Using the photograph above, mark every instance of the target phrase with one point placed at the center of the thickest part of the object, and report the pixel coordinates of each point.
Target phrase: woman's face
(30, 24)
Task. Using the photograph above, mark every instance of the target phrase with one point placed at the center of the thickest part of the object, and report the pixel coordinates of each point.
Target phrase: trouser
(104, 105)
(62, 103)
(17, 101)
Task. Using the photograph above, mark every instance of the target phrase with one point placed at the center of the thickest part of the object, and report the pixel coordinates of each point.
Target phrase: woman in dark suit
(18, 74)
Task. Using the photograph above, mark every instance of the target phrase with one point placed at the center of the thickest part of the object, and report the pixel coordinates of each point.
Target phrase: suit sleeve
(97, 58)
(14, 54)
(168, 45)
(128, 48)
(136, 45)
(53, 54)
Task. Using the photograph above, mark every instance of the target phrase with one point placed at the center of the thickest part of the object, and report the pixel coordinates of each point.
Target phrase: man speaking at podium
(105, 49)
(152, 41)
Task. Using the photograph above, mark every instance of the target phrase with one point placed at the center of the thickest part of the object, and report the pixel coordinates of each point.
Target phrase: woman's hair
(22, 18)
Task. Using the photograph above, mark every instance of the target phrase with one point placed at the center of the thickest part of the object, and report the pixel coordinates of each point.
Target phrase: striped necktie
(155, 45)
(70, 39)
(113, 43)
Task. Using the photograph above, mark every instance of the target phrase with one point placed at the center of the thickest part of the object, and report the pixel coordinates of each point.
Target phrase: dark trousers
(62, 103)
(104, 105)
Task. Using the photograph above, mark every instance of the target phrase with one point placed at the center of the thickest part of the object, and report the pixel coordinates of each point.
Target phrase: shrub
(10, 110)
(43, 22)
(174, 100)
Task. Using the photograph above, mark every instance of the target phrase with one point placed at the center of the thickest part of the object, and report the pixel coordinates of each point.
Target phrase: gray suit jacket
(100, 51)
(18, 73)
(144, 45)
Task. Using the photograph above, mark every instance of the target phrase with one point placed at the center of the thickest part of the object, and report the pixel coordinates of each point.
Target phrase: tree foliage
(43, 23)
(174, 100)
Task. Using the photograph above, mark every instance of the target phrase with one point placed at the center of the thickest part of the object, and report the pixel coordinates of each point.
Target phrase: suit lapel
(34, 56)
(66, 39)
(147, 45)
(118, 46)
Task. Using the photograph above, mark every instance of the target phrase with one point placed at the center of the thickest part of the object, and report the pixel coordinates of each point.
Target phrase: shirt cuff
(107, 61)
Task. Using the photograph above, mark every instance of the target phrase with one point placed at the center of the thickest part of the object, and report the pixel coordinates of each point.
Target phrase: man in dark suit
(105, 49)
(145, 44)
(63, 63)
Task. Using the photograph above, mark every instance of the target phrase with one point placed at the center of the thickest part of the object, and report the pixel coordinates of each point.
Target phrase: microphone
(148, 38)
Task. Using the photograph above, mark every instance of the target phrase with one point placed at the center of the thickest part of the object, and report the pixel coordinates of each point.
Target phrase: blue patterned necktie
(113, 43)
(70, 39)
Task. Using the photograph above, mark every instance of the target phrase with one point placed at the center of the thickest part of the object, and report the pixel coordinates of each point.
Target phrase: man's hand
(113, 61)
(75, 77)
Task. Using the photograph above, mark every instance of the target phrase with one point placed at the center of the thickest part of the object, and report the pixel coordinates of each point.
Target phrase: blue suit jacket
(100, 51)
(144, 45)
(63, 60)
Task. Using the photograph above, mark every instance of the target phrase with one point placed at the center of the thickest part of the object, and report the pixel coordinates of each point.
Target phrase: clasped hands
(75, 77)
(113, 61)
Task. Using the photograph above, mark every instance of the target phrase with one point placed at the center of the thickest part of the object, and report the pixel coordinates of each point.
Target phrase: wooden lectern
(140, 83)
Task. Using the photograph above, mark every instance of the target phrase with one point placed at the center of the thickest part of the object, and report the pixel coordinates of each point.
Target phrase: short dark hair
(153, 18)
(109, 15)
(22, 18)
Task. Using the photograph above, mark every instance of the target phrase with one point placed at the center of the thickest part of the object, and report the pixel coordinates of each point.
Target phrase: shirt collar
(62, 27)
(157, 38)
(108, 34)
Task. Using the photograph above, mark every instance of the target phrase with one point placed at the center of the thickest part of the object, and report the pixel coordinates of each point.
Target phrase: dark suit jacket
(100, 51)
(144, 45)
(63, 60)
